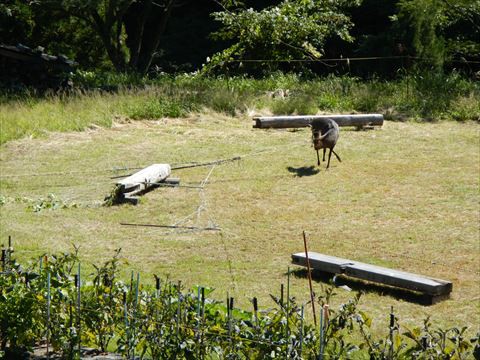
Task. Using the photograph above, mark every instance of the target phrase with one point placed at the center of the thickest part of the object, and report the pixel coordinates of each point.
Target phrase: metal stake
(320, 354)
(79, 286)
(48, 314)
(392, 326)
(288, 312)
(301, 332)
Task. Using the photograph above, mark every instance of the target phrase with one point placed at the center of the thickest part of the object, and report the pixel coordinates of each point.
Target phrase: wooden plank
(298, 121)
(145, 178)
(379, 274)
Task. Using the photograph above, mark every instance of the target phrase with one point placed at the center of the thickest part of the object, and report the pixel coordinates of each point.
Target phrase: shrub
(166, 321)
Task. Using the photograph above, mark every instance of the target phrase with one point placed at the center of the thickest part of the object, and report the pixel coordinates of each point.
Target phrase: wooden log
(283, 122)
(145, 178)
(378, 274)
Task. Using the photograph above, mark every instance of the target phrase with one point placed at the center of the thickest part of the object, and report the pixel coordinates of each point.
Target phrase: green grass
(405, 196)
(419, 96)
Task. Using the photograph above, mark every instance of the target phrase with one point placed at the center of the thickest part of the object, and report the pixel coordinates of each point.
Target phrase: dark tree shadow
(304, 170)
(365, 286)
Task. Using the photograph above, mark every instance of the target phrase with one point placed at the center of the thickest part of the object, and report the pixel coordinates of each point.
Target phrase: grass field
(405, 196)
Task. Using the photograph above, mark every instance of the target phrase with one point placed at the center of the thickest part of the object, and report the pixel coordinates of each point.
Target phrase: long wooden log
(379, 274)
(298, 121)
(145, 178)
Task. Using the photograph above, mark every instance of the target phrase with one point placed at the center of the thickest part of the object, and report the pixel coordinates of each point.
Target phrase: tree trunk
(149, 48)
(137, 37)
(112, 46)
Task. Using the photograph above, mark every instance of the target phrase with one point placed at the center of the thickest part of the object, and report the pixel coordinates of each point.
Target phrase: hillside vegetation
(424, 96)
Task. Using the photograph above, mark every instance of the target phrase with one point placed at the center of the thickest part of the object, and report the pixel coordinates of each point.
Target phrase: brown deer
(325, 134)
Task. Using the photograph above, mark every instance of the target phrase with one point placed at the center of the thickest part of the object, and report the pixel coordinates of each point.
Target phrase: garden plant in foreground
(49, 300)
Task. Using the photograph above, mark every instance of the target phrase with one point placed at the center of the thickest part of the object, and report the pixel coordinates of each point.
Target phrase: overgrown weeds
(100, 97)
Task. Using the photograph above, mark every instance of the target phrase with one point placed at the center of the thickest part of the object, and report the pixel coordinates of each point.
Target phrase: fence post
(48, 315)
(127, 331)
(78, 284)
(179, 309)
(4, 256)
(281, 294)
(230, 310)
(157, 286)
(134, 320)
(320, 353)
(255, 312)
(202, 317)
(301, 331)
(71, 347)
(9, 252)
(312, 296)
(288, 314)
(392, 328)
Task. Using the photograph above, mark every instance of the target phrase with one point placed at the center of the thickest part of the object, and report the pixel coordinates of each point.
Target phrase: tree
(293, 30)
(16, 21)
(441, 29)
(120, 25)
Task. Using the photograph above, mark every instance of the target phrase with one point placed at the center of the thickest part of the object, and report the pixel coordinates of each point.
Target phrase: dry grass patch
(405, 196)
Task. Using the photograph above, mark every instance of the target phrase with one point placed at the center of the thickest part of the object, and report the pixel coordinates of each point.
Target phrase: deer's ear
(310, 126)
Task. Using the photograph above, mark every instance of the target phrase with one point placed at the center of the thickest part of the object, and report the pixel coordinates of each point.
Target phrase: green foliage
(20, 311)
(425, 17)
(170, 323)
(292, 30)
(49, 203)
(438, 29)
(159, 108)
(102, 302)
(16, 20)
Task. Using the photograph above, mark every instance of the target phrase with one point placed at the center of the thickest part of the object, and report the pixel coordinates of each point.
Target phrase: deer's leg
(329, 156)
(338, 157)
(318, 158)
(324, 150)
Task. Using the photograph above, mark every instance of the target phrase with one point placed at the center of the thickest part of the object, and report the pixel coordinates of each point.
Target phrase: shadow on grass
(367, 287)
(304, 170)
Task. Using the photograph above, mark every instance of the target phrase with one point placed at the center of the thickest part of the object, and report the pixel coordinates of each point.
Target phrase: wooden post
(312, 297)
(282, 122)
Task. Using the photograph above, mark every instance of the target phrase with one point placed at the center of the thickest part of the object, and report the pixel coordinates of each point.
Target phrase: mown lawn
(405, 196)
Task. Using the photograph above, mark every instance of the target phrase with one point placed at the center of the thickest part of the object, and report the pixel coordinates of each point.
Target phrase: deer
(325, 133)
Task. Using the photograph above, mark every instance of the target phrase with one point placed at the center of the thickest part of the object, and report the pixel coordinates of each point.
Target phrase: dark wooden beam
(373, 273)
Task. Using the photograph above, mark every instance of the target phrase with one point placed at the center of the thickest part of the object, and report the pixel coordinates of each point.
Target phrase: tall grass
(427, 96)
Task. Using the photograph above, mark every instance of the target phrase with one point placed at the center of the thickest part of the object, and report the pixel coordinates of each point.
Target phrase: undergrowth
(50, 300)
(99, 98)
